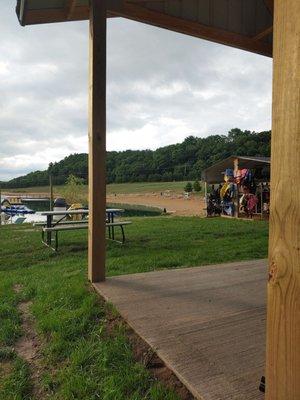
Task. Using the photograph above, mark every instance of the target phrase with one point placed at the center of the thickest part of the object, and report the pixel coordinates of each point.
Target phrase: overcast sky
(162, 87)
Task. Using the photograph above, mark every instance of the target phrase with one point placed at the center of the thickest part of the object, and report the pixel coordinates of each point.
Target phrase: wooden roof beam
(71, 12)
(263, 33)
(120, 8)
(142, 14)
(270, 6)
(70, 7)
(145, 1)
(55, 15)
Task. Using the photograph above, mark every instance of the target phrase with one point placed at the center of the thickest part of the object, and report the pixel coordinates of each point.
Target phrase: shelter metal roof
(215, 173)
(245, 24)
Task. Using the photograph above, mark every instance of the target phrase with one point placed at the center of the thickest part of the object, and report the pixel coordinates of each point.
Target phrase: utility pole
(50, 187)
(51, 191)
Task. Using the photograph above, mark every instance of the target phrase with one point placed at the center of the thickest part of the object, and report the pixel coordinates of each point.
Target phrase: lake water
(39, 205)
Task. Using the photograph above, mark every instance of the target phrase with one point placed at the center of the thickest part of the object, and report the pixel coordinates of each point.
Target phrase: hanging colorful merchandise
(227, 193)
(248, 202)
(239, 175)
(245, 191)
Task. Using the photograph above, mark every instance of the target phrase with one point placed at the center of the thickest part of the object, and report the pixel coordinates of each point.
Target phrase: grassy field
(118, 188)
(80, 355)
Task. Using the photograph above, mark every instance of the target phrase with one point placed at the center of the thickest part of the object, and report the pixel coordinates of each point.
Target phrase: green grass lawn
(118, 188)
(81, 357)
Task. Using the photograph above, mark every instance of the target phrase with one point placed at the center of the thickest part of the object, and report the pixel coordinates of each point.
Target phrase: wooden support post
(283, 321)
(97, 141)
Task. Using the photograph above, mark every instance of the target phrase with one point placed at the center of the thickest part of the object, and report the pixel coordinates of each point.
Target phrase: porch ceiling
(244, 24)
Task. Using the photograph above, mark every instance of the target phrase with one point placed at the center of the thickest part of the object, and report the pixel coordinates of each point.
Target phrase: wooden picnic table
(110, 212)
(50, 222)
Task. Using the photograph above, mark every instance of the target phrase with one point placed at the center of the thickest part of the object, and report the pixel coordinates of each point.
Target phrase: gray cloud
(162, 86)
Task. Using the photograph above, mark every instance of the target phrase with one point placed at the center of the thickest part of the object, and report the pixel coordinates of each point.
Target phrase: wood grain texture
(283, 323)
(206, 323)
(97, 141)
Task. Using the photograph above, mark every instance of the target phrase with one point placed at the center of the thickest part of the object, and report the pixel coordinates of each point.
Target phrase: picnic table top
(80, 211)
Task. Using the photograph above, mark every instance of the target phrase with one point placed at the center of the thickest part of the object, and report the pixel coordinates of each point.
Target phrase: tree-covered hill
(182, 161)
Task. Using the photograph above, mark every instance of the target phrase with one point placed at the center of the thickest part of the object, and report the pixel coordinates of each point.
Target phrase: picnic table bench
(53, 227)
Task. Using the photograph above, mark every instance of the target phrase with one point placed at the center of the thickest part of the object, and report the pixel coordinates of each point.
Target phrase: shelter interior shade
(215, 173)
(244, 24)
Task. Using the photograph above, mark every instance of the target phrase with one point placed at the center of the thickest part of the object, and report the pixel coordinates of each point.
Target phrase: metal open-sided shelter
(215, 173)
(267, 27)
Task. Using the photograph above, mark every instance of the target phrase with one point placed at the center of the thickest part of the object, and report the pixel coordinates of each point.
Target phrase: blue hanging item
(228, 176)
(229, 172)
(248, 177)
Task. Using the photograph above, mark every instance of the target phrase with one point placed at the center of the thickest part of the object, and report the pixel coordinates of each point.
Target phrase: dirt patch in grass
(145, 355)
(175, 204)
(5, 369)
(28, 346)
(18, 288)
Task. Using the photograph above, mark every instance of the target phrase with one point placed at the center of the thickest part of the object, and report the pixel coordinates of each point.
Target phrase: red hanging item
(251, 203)
(239, 175)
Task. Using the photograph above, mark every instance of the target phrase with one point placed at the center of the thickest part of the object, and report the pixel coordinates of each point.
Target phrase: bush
(74, 191)
(197, 186)
(188, 187)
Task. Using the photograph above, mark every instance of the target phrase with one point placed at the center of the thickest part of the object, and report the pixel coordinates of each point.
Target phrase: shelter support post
(283, 321)
(237, 188)
(205, 196)
(97, 141)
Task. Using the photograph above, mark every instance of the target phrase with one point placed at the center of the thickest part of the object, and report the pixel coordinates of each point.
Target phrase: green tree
(196, 186)
(74, 191)
(180, 162)
(188, 187)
